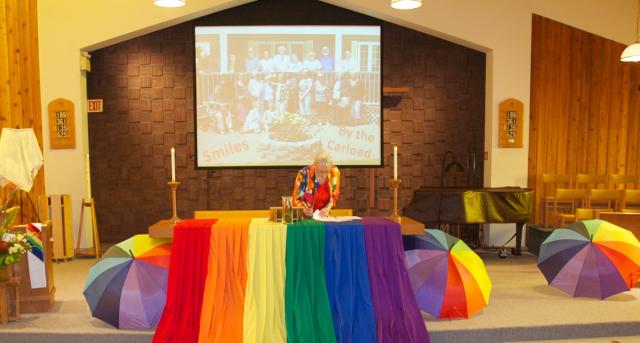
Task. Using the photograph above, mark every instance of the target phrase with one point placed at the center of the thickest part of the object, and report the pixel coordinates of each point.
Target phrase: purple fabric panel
(588, 284)
(430, 294)
(398, 318)
(611, 282)
(567, 278)
(151, 289)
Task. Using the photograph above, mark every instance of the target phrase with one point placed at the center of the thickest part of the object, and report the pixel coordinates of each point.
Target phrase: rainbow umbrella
(127, 286)
(448, 279)
(592, 258)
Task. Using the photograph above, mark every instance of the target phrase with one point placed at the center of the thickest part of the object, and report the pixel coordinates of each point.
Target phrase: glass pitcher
(287, 209)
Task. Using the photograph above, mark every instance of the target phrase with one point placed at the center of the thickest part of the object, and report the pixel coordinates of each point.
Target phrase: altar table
(251, 280)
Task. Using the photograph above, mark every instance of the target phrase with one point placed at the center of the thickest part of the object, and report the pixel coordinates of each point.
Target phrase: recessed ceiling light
(406, 4)
(169, 3)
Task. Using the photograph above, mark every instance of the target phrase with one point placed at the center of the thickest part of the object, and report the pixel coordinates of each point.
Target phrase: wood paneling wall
(585, 105)
(20, 81)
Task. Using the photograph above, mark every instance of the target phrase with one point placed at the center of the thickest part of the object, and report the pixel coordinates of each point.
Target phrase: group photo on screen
(276, 95)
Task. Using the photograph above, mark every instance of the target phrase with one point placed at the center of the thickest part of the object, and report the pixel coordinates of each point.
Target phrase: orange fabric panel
(454, 304)
(473, 294)
(223, 304)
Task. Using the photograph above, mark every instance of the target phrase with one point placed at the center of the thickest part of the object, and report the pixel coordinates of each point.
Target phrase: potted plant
(12, 245)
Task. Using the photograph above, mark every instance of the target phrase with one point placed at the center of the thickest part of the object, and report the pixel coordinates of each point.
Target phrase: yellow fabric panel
(473, 263)
(613, 233)
(264, 319)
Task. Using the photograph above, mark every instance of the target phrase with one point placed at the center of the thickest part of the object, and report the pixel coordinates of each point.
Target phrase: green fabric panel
(568, 234)
(439, 237)
(460, 246)
(579, 228)
(126, 245)
(592, 226)
(111, 265)
(307, 310)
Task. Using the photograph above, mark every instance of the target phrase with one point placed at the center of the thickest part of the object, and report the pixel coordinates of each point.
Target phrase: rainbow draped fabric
(251, 280)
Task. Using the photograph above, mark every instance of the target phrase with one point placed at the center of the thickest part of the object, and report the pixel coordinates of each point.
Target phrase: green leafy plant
(12, 245)
(290, 127)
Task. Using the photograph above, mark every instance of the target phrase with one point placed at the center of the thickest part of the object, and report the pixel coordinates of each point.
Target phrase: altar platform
(522, 308)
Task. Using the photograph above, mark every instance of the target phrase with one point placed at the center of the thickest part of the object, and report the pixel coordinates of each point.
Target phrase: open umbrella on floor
(592, 258)
(448, 278)
(127, 286)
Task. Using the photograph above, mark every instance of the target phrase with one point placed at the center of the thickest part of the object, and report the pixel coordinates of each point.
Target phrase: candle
(395, 162)
(173, 164)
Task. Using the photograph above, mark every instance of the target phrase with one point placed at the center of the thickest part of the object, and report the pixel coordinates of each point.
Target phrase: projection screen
(277, 95)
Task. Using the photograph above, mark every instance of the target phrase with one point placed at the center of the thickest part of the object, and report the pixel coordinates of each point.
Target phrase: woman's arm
(299, 188)
(335, 185)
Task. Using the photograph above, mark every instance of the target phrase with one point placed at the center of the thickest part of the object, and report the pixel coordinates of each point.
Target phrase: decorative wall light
(632, 52)
(169, 3)
(406, 4)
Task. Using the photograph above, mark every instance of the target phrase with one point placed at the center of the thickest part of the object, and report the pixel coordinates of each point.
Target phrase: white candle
(395, 162)
(173, 165)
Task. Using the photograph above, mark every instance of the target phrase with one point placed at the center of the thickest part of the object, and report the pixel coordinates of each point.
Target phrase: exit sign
(94, 105)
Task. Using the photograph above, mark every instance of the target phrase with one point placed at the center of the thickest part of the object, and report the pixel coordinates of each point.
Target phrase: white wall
(500, 28)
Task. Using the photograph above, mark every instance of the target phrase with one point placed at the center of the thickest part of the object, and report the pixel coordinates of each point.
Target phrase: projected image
(277, 95)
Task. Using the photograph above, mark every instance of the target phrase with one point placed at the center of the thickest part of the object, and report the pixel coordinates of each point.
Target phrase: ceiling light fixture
(169, 3)
(632, 52)
(406, 4)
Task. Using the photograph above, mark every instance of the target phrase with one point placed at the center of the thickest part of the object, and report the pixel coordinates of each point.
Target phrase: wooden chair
(604, 200)
(630, 200)
(585, 214)
(577, 198)
(620, 181)
(550, 183)
(590, 181)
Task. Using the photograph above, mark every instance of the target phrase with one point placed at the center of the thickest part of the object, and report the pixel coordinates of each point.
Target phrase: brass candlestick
(174, 187)
(395, 183)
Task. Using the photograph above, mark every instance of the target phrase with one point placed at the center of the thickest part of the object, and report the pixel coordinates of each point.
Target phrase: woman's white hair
(324, 157)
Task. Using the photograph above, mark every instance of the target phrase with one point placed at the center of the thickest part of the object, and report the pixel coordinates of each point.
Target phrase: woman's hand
(307, 210)
(325, 211)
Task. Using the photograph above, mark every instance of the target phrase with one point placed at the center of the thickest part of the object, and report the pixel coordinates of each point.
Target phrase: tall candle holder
(174, 187)
(395, 183)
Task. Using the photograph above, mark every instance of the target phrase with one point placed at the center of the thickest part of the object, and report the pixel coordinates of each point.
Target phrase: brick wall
(147, 87)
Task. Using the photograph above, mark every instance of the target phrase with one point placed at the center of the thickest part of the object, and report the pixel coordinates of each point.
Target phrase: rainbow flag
(35, 257)
(251, 280)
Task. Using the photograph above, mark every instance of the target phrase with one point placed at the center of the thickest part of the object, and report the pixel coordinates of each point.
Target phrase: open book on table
(318, 216)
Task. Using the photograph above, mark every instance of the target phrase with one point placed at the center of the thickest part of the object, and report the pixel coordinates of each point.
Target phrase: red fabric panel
(180, 320)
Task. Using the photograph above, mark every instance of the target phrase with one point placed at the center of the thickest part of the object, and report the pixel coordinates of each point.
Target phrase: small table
(162, 229)
(9, 300)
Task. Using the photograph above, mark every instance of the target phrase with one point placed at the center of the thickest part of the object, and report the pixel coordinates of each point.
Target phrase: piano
(441, 205)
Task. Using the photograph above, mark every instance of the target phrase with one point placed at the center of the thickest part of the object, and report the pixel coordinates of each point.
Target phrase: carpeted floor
(522, 308)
